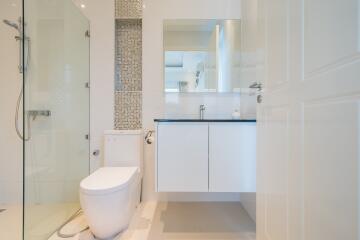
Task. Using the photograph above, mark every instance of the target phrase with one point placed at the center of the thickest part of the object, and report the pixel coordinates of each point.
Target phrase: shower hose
(18, 102)
(20, 135)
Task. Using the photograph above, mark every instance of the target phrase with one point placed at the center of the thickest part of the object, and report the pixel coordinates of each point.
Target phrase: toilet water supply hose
(62, 235)
(149, 140)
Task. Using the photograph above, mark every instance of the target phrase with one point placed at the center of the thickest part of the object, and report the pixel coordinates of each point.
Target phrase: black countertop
(204, 120)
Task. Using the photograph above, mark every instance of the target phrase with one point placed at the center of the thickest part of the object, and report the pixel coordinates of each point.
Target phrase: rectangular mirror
(202, 55)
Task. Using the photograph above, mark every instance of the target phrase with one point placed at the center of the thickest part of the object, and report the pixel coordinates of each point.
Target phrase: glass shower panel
(57, 104)
(11, 146)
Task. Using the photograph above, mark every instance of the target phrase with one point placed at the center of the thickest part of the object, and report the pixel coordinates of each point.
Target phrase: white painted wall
(249, 73)
(101, 14)
(156, 104)
(10, 84)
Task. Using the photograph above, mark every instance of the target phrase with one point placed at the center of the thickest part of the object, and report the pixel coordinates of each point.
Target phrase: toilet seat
(108, 180)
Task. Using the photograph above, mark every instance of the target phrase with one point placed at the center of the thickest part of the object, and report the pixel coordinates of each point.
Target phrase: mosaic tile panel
(128, 109)
(128, 8)
(128, 62)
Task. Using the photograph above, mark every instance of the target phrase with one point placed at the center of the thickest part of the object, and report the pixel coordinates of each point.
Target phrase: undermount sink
(202, 120)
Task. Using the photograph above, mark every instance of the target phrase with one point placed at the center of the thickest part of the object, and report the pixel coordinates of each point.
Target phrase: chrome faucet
(201, 111)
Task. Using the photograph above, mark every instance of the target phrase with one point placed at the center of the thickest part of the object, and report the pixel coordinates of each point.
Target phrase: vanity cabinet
(182, 157)
(206, 156)
(232, 157)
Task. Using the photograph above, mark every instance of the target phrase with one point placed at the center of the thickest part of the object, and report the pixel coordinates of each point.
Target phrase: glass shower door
(11, 145)
(57, 108)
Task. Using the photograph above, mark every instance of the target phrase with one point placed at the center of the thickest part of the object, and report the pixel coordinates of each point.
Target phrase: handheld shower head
(11, 24)
(24, 42)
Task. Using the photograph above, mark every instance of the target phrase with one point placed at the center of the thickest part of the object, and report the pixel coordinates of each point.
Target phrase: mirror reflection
(202, 55)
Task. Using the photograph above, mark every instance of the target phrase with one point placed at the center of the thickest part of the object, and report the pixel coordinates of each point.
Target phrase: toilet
(110, 195)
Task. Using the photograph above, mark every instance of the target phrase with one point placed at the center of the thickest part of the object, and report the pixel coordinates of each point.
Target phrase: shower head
(11, 24)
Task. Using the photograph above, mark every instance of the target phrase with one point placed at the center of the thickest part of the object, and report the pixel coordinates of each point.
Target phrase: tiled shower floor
(184, 221)
(44, 219)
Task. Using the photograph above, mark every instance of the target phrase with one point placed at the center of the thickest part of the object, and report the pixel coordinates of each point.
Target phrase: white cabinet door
(182, 160)
(232, 157)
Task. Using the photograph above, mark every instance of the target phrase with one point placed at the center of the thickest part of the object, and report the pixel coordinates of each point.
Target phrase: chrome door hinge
(87, 33)
(87, 136)
(87, 85)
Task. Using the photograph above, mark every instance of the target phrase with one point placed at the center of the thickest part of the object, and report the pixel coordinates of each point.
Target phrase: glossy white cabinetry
(206, 157)
(182, 157)
(232, 157)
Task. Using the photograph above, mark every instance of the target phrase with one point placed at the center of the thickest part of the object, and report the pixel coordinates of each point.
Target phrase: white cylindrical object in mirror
(226, 49)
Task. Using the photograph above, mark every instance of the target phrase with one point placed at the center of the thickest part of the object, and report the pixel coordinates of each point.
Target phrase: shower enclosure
(44, 139)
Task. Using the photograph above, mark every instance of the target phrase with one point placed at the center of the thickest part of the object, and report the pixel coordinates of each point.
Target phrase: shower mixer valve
(36, 113)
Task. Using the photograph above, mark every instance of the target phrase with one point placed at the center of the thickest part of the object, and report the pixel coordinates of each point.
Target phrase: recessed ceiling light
(82, 6)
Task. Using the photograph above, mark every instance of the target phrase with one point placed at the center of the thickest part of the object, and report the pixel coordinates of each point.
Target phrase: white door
(308, 134)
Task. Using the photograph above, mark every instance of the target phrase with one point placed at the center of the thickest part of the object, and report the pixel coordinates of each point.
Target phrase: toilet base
(109, 238)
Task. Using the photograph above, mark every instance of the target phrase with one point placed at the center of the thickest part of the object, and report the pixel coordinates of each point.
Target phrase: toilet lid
(108, 179)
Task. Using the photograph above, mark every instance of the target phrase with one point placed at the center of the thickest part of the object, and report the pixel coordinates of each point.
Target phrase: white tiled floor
(138, 229)
(11, 222)
(183, 221)
(201, 221)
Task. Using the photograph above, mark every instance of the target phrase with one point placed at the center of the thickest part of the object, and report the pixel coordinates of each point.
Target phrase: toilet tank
(123, 148)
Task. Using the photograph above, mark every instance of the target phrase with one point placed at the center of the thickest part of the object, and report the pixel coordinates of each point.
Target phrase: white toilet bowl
(108, 198)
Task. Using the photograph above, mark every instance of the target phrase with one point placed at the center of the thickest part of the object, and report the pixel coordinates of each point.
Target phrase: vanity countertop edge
(203, 120)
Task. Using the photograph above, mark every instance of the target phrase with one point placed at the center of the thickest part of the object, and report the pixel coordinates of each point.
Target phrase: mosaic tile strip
(128, 109)
(128, 8)
(128, 62)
